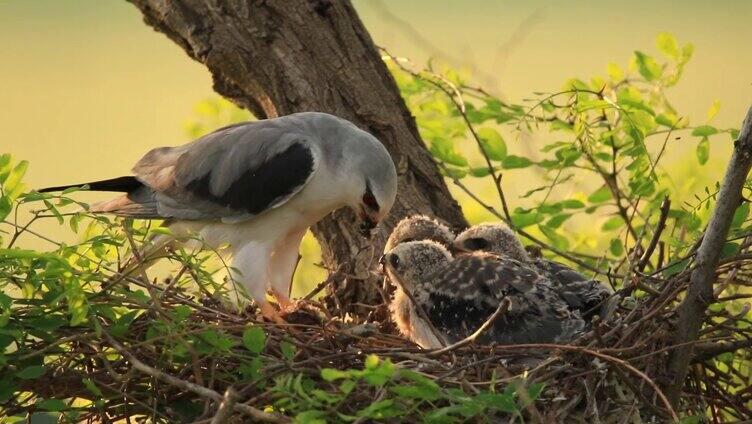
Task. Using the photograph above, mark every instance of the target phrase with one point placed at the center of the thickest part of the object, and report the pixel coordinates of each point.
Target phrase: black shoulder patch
(257, 189)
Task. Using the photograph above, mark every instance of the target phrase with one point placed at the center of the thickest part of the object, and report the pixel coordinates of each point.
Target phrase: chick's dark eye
(370, 201)
(476, 243)
(394, 261)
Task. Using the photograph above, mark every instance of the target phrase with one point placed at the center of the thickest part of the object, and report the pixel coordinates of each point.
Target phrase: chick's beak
(459, 247)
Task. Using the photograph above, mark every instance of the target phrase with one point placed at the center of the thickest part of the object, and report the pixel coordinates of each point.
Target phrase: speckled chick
(581, 293)
(412, 228)
(419, 227)
(459, 294)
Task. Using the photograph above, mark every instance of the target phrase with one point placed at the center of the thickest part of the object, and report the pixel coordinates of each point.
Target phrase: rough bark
(280, 57)
(700, 291)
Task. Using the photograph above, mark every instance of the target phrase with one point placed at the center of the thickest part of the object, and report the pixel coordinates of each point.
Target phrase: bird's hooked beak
(367, 222)
(367, 225)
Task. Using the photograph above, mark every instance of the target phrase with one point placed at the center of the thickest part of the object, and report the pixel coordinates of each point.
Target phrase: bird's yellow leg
(282, 299)
(268, 312)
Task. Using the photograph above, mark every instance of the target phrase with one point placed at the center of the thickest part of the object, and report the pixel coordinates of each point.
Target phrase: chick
(458, 294)
(581, 293)
(419, 227)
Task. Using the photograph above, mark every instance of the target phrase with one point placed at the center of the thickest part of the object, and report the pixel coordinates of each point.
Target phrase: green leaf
(676, 267)
(52, 405)
(648, 67)
(513, 162)
(6, 387)
(254, 339)
(380, 410)
(5, 167)
(331, 374)
(692, 419)
(31, 372)
(416, 392)
(288, 350)
(526, 219)
(572, 204)
(703, 151)
(44, 418)
(534, 391)
(48, 323)
(502, 402)
(493, 144)
(378, 375)
(453, 172)
(729, 249)
(313, 416)
(740, 215)
(601, 195)
(12, 185)
(616, 247)
(91, 386)
(614, 72)
(480, 172)
(251, 370)
(557, 220)
(613, 223)
(559, 241)
(347, 386)
(667, 45)
(704, 131)
(667, 119)
(714, 108)
(687, 52)
(443, 149)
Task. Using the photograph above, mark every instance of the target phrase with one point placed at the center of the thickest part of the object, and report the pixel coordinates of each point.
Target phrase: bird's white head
(372, 180)
(491, 237)
(419, 227)
(363, 174)
(409, 262)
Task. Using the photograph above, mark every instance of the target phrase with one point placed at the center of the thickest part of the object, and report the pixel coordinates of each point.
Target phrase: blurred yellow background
(87, 88)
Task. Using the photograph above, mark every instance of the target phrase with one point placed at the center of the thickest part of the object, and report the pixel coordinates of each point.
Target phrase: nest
(185, 358)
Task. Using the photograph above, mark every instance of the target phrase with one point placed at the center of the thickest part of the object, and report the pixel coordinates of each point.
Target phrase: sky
(86, 87)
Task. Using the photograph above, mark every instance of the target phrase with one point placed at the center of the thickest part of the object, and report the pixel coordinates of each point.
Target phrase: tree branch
(700, 292)
(256, 414)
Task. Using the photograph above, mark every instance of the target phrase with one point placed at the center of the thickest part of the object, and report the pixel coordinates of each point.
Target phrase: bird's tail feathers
(124, 184)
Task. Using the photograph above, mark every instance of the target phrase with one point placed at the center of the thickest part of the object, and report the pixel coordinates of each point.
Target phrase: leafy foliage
(609, 133)
(604, 138)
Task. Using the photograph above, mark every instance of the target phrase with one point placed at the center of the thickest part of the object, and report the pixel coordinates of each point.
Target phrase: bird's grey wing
(233, 173)
(483, 277)
(580, 292)
(464, 294)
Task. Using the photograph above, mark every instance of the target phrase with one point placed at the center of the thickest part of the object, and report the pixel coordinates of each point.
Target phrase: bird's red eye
(370, 201)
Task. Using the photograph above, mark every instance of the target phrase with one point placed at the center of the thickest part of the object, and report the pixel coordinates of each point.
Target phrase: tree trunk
(280, 57)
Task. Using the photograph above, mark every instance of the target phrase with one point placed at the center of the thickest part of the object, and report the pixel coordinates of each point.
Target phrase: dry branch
(691, 312)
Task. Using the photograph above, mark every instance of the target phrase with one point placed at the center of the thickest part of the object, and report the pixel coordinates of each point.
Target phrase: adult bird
(256, 187)
(583, 294)
(458, 294)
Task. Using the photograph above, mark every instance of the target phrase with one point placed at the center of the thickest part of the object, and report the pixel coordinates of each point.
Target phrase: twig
(501, 310)
(645, 259)
(225, 407)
